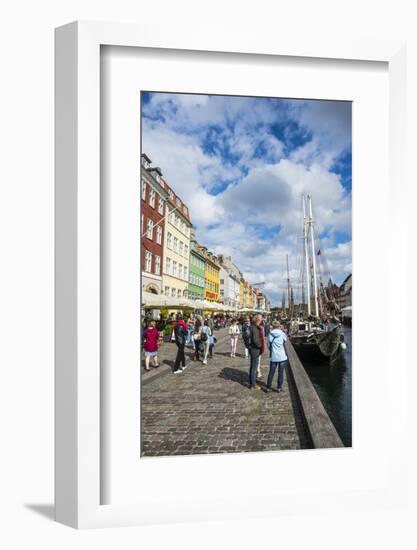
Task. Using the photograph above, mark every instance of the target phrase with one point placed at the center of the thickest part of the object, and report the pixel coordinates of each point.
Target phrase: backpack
(179, 334)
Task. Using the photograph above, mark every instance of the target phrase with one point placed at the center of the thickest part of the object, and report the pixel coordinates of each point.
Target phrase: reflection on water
(333, 384)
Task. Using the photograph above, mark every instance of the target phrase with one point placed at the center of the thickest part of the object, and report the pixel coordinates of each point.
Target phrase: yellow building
(212, 277)
(242, 293)
(249, 299)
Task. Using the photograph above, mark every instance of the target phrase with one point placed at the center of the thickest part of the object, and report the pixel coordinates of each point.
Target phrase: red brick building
(153, 205)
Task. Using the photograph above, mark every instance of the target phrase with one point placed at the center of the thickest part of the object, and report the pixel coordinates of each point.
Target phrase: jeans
(190, 336)
(254, 360)
(281, 367)
(180, 357)
(206, 348)
(233, 343)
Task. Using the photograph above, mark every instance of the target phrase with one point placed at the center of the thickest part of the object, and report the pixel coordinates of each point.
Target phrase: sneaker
(267, 389)
(177, 371)
(204, 362)
(184, 367)
(279, 390)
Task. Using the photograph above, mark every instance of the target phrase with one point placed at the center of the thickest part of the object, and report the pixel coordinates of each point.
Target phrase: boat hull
(322, 347)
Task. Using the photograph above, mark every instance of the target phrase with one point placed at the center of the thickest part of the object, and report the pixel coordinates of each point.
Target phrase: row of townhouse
(173, 262)
(236, 291)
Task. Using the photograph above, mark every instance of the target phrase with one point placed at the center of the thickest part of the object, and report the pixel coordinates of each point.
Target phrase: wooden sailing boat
(314, 338)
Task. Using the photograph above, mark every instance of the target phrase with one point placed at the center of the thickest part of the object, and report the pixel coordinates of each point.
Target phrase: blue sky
(241, 165)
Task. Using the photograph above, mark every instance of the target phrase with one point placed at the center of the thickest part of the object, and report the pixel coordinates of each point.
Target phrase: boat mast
(289, 289)
(313, 253)
(306, 256)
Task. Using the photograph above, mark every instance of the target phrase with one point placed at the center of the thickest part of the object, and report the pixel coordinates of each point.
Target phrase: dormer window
(179, 202)
(170, 194)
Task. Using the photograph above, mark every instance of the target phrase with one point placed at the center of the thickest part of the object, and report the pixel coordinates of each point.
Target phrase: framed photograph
(215, 200)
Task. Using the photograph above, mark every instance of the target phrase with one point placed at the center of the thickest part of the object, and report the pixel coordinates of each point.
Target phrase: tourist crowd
(258, 333)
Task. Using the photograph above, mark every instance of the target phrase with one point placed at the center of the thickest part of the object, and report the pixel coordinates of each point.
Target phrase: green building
(196, 273)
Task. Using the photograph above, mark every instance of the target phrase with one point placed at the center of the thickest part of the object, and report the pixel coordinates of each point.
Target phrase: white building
(229, 282)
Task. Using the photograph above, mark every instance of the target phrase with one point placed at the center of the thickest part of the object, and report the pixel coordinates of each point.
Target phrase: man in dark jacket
(257, 347)
(180, 333)
(246, 330)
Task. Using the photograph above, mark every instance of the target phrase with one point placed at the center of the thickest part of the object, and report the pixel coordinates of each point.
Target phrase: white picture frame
(78, 405)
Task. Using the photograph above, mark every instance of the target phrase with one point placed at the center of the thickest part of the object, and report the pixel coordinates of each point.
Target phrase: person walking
(180, 333)
(190, 331)
(234, 335)
(197, 337)
(246, 335)
(278, 356)
(150, 345)
(205, 336)
(256, 349)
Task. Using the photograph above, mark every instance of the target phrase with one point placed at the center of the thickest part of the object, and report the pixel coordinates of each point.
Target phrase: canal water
(333, 384)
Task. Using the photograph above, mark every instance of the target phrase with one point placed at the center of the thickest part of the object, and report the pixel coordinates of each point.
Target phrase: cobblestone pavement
(209, 408)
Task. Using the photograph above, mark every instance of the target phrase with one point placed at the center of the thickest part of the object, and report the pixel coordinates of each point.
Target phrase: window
(152, 198)
(143, 190)
(175, 244)
(148, 261)
(186, 251)
(174, 269)
(180, 271)
(173, 292)
(185, 293)
(159, 234)
(168, 266)
(181, 247)
(177, 220)
(179, 293)
(169, 241)
(179, 202)
(149, 229)
(157, 265)
(222, 281)
(143, 220)
(161, 204)
(186, 273)
(167, 291)
(170, 194)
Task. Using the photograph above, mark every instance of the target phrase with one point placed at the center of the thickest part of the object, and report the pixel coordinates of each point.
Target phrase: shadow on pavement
(239, 376)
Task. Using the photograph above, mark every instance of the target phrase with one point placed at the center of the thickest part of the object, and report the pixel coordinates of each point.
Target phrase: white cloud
(264, 180)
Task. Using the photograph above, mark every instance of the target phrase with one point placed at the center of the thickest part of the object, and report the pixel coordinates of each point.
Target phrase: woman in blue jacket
(276, 339)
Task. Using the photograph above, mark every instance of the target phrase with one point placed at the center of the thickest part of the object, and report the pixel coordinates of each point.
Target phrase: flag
(319, 253)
